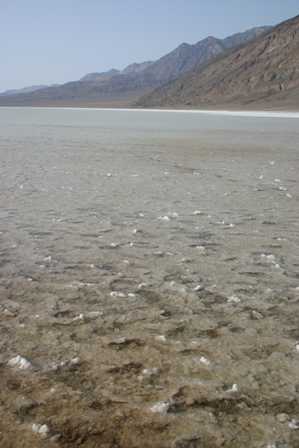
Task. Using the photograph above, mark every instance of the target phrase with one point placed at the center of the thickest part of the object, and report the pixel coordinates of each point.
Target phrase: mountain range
(263, 73)
(139, 83)
(28, 89)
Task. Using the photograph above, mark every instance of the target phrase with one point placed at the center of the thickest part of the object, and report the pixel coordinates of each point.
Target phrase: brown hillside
(265, 71)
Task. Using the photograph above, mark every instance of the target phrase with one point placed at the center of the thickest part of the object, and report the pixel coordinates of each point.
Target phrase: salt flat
(149, 278)
(229, 113)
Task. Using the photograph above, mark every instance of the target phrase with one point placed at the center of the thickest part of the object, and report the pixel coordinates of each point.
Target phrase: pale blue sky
(49, 41)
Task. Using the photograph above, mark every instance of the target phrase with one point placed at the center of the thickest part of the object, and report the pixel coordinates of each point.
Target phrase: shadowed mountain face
(128, 85)
(264, 72)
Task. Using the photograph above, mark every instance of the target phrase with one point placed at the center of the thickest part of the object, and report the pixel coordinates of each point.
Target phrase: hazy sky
(49, 41)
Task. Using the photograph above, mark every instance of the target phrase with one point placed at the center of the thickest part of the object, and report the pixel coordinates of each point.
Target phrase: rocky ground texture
(89, 369)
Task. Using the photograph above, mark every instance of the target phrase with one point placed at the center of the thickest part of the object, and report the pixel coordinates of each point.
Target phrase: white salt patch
(120, 340)
(268, 258)
(92, 266)
(117, 294)
(201, 249)
(150, 372)
(161, 407)
(261, 177)
(65, 364)
(158, 253)
(79, 317)
(197, 212)
(277, 181)
(174, 215)
(75, 361)
(42, 430)
(234, 388)
(164, 218)
(204, 360)
(131, 294)
(142, 285)
(20, 363)
(141, 215)
(288, 195)
(198, 288)
(109, 174)
(233, 299)
(161, 338)
(237, 113)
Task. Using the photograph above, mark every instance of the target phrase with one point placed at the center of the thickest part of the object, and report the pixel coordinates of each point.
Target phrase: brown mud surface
(156, 370)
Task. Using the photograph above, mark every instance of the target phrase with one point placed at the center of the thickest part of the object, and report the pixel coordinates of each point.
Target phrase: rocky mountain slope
(263, 72)
(126, 86)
